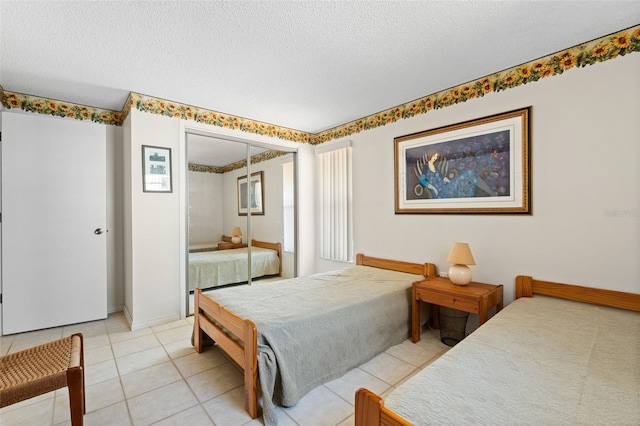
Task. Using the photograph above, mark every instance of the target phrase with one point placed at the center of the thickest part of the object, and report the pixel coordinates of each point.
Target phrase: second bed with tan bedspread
(540, 361)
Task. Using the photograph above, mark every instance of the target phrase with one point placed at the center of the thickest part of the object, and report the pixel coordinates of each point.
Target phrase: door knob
(98, 231)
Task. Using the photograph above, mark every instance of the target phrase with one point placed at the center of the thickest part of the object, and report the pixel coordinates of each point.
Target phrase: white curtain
(287, 206)
(335, 192)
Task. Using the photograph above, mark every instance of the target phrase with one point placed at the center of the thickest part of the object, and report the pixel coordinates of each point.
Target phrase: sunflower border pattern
(599, 50)
(589, 53)
(268, 155)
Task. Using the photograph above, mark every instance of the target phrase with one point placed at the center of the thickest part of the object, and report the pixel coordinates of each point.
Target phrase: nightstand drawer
(474, 298)
(450, 301)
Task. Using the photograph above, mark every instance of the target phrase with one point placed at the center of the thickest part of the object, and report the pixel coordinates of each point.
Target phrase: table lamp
(460, 256)
(236, 235)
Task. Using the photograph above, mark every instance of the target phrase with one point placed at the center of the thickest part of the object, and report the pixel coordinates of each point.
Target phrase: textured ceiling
(306, 65)
(215, 152)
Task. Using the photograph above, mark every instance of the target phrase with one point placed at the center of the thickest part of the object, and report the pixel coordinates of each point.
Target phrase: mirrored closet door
(238, 193)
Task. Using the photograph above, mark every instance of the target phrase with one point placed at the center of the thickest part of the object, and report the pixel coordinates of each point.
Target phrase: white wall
(127, 218)
(115, 220)
(154, 258)
(305, 196)
(205, 207)
(585, 150)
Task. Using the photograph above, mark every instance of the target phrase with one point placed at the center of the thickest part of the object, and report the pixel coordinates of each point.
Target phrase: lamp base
(236, 239)
(460, 274)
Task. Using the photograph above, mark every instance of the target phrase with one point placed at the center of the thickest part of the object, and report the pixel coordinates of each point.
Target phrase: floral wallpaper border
(268, 155)
(188, 112)
(206, 169)
(599, 50)
(589, 53)
(59, 108)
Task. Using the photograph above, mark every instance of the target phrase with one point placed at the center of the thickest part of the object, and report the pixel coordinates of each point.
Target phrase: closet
(224, 177)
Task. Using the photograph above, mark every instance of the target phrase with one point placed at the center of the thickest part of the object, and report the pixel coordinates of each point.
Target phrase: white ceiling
(306, 65)
(210, 151)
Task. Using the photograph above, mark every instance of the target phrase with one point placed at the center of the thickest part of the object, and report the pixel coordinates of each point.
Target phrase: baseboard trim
(150, 322)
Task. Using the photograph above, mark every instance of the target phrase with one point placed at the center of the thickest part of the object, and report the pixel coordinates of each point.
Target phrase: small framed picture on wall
(156, 169)
(254, 190)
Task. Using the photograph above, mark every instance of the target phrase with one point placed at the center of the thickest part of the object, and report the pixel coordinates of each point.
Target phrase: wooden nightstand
(475, 298)
(227, 246)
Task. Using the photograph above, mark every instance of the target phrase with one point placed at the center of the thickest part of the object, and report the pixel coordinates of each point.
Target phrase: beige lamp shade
(236, 235)
(460, 256)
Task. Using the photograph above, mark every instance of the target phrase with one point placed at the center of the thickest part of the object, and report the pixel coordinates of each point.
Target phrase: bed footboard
(370, 411)
(236, 336)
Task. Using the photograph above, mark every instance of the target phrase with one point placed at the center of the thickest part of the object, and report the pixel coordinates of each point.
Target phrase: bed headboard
(273, 246)
(428, 270)
(526, 286)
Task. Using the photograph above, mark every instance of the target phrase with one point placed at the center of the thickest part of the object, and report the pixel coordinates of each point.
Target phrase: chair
(45, 368)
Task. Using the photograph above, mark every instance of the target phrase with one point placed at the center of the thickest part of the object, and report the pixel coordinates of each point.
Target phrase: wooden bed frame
(273, 246)
(369, 407)
(238, 337)
(255, 243)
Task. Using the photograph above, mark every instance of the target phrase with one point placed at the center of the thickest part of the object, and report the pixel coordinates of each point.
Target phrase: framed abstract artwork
(478, 166)
(156, 169)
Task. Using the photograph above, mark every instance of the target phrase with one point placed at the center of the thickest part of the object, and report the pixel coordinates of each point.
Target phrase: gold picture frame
(480, 166)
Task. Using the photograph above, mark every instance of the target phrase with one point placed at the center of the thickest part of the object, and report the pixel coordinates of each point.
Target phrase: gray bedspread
(314, 329)
(220, 267)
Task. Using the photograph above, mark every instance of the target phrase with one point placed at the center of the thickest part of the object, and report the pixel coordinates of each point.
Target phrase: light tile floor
(154, 376)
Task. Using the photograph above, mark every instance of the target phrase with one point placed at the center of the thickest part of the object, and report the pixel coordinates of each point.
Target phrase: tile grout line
(115, 329)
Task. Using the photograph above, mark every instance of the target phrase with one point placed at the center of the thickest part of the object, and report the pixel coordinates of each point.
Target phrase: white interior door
(54, 269)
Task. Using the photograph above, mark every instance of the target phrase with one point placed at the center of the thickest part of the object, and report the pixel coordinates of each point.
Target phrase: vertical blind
(335, 193)
(287, 206)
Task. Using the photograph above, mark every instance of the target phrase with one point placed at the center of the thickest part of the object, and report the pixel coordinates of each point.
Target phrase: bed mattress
(539, 361)
(220, 267)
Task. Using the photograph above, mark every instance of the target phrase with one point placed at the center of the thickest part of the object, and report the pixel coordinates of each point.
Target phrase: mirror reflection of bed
(227, 265)
(216, 166)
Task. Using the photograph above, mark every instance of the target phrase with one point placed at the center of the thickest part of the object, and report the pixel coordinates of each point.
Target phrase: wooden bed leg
(251, 369)
(197, 332)
(368, 408)
(415, 316)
